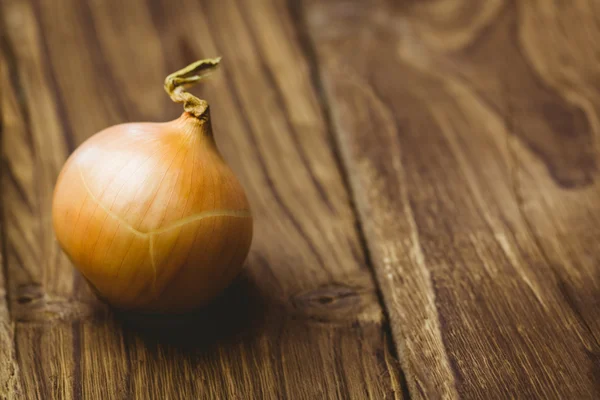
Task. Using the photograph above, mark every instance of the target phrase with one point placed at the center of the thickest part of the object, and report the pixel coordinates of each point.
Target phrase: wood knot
(333, 303)
(32, 303)
(29, 293)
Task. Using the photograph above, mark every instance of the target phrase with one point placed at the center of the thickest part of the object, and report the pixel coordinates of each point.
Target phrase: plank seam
(307, 47)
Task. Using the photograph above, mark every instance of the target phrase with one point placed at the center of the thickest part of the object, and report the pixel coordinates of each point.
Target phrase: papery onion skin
(152, 215)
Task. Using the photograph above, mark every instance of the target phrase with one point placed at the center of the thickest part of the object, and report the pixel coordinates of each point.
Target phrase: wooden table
(424, 179)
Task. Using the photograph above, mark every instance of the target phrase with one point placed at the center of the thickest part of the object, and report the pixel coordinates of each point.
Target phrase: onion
(150, 213)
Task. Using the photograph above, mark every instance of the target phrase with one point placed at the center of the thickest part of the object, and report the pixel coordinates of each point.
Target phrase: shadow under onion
(240, 310)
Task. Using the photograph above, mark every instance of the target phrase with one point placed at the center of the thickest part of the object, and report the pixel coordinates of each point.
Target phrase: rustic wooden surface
(423, 177)
(468, 130)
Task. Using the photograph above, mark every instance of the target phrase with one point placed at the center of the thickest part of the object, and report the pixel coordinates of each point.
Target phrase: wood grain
(469, 132)
(303, 322)
(10, 386)
(9, 369)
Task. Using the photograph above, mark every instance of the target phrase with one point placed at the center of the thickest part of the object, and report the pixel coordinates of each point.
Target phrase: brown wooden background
(423, 174)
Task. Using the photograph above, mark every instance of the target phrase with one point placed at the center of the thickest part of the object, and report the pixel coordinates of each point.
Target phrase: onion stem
(177, 83)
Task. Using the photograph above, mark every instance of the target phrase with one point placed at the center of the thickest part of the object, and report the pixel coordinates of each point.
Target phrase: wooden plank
(559, 196)
(10, 384)
(303, 322)
(491, 282)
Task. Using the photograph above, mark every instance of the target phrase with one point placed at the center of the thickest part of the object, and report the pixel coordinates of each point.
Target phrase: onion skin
(152, 215)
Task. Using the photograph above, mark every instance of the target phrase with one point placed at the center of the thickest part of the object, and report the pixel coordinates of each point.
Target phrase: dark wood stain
(562, 137)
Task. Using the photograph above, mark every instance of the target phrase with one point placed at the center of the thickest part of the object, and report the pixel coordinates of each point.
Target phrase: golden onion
(150, 213)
